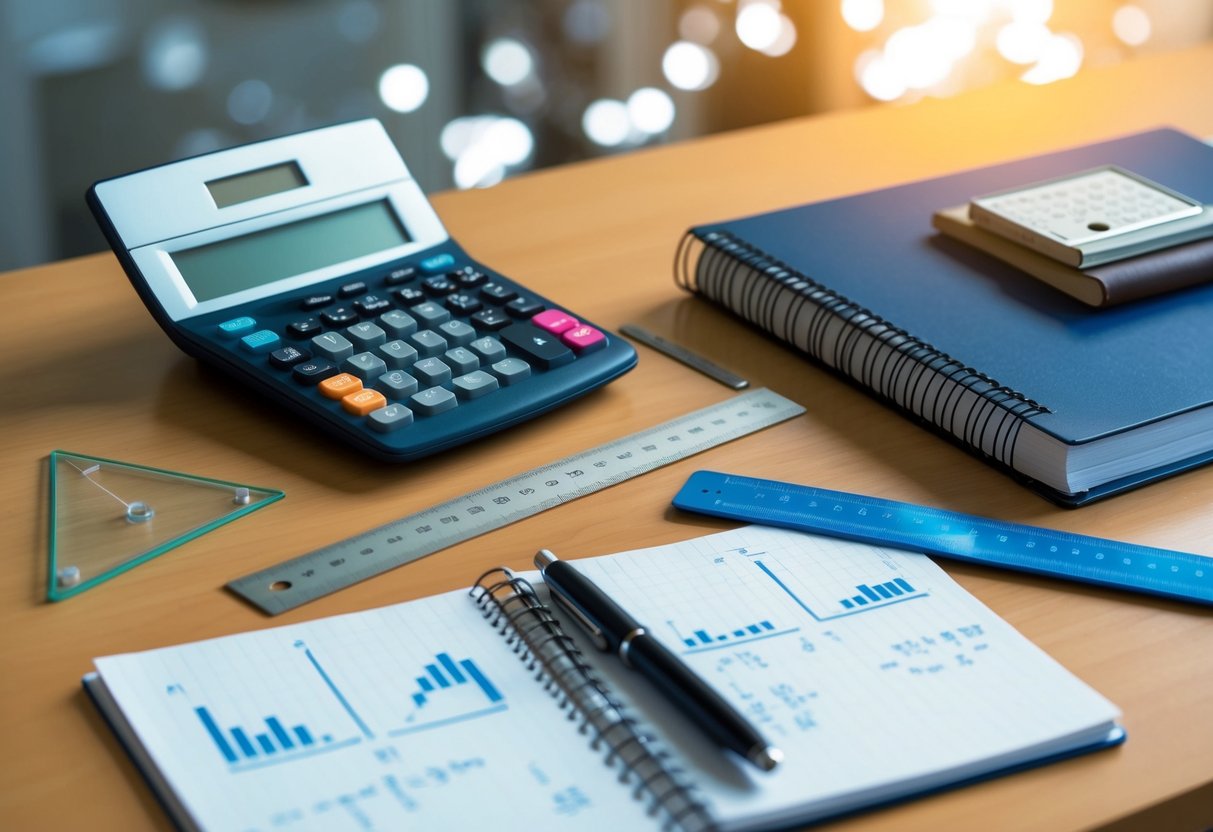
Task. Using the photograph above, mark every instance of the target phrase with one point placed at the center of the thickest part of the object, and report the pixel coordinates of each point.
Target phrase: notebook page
(415, 714)
(875, 673)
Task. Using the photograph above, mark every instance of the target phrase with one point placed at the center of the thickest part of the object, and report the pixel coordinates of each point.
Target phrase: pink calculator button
(554, 321)
(583, 338)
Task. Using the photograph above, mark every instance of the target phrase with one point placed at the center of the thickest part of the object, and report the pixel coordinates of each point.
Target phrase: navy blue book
(1078, 403)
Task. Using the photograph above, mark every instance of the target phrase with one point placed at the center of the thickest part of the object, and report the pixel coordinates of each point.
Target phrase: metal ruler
(951, 534)
(305, 578)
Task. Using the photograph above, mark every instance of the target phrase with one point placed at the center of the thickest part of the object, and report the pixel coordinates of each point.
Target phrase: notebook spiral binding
(899, 369)
(512, 607)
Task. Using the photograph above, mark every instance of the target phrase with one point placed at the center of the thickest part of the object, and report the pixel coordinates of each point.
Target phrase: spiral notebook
(1078, 403)
(877, 675)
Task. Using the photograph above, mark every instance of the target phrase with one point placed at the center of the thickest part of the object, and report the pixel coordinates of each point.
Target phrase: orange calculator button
(363, 402)
(340, 385)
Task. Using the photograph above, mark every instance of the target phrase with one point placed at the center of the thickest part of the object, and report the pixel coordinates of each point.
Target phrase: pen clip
(591, 629)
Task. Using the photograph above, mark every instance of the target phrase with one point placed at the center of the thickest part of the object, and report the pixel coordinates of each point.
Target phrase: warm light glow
(877, 77)
(863, 15)
(1132, 25)
(1023, 43)
(606, 122)
(1061, 58)
(758, 26)
(699, 24)
(689, 66)
(1030, 11)
(650, 110)
(482, 147)
(404, 87)
(507, 61)
(917, 56)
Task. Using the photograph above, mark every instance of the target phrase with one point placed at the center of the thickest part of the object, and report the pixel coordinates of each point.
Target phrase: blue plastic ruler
(951, 534)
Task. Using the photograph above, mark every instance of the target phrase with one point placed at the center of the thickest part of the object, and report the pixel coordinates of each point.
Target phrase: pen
(614, 631)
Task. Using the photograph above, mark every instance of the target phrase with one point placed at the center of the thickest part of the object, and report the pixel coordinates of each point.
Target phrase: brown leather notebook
(1107, 285)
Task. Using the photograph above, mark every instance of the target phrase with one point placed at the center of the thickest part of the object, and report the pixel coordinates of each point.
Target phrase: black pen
(614, 631)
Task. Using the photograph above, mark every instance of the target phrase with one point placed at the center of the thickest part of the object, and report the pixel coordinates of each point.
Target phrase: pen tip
(767, 757)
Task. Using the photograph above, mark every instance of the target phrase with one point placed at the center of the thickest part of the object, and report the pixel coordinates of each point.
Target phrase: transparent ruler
(950, 534)
(318, 573)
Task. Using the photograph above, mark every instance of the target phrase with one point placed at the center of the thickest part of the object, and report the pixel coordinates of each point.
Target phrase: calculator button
(339, 315)
(333, 345)
(468, 277)
(287, 357)
(398, 276)
(462, 304)
(365, 336)
(428, 342)
(261, 341)
(410, 295)
(461, 360)
(398, 324)
(474, 385)
(431, 372)
(497, 293)
(304, 328)
(554, 321)
(363, 402)
(438, 285)
(313, 371)
(487, 348)
(430, 315)
(436, 264)
(432, 401)
(365, 365)
(538, 346)
(397, 384)
(398, 354)
(491, 319)
(390, 418)
(351, 289)
(368, 305)
(457, 333)
(511, 370)
(523, 308)
(584, 339)
(340, 386)
(237, 326)
(315, 302)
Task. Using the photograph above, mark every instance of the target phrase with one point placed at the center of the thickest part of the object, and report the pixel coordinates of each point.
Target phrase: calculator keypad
(413, 344)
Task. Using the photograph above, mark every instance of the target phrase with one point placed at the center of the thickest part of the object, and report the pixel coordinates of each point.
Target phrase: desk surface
(88, 371)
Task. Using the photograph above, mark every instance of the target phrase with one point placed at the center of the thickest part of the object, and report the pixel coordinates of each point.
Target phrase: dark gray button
(431, 401)
(461, 360)
(474, 385)
(396, 385)
(428, 342)
(398, 354)
(431, 372)
(390, 418)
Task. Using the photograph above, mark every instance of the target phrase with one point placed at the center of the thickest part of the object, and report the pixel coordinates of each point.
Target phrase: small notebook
(877, 675)
(1078, 403)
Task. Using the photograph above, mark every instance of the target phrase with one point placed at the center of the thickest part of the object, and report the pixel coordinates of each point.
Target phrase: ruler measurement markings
(364, 555)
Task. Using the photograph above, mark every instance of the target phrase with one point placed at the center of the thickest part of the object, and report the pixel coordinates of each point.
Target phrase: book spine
(512, 607)
(886, 361)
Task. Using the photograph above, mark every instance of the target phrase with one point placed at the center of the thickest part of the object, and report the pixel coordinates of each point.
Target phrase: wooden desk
(88, 371)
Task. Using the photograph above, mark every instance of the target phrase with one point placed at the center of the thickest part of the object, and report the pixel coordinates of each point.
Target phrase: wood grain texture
(88, 371)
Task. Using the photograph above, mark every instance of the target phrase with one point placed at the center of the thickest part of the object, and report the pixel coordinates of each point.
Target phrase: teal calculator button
(437, 263)
(237, 326)
(265, 340)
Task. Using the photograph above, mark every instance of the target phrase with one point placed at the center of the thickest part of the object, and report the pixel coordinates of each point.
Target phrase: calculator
(313, 269)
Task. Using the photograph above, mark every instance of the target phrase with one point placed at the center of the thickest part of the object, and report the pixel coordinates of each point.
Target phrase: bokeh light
(403, 87)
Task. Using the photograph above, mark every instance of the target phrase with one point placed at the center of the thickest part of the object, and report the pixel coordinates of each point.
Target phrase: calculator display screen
(234, 265)
(232, 190)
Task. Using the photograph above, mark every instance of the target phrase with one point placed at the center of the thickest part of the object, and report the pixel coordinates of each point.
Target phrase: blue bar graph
(238, 748)
(875, 594)
(868, 597)
(703, 639)
(446, 674)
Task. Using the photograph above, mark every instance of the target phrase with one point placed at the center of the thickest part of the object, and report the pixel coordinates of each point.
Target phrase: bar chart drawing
(867, 596)
(704, 639)
(252, 748)
(898, 588)
(451, 691)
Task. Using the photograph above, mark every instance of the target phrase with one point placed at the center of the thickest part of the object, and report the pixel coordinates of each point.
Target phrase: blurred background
(475, 91)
